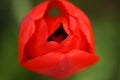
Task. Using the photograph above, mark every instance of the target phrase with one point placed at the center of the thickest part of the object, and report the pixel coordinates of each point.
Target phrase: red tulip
(56, 46)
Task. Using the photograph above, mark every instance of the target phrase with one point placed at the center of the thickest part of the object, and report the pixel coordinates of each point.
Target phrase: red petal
(44, 64)
(83, 42)
(39, 11)
(71, 42)
(79, 60)
(87, 29)
(52, 23)
(83, 21)
(38, 39)
(57, 65)
(66, 26)
(27, 28)
(76, 38)
(46, 48)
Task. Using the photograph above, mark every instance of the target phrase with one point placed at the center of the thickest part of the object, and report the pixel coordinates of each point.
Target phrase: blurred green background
(105, 19)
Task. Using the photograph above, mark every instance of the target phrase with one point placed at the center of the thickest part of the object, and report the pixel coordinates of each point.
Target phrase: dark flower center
(59, 35)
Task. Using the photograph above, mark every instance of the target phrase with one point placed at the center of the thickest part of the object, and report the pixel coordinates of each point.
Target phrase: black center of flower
(59, 35)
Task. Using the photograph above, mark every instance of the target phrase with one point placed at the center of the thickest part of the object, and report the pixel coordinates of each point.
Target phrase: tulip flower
(56, 46)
